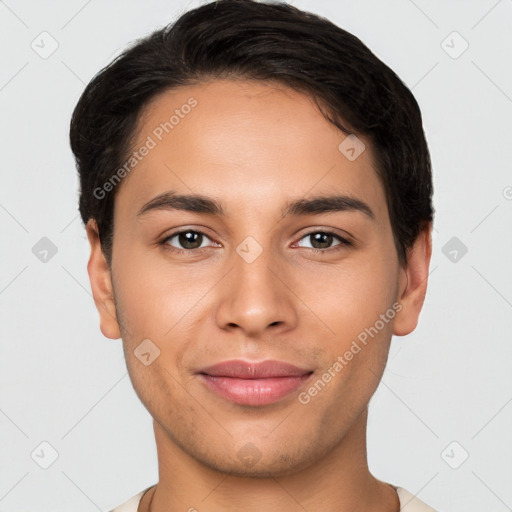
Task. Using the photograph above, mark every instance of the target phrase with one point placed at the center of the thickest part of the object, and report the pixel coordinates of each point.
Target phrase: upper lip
(238, 368)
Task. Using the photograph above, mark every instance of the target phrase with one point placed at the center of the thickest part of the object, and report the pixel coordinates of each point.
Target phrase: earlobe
(413, 283)
(101, 284)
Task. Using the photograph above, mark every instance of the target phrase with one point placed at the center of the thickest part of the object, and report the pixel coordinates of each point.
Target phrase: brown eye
(323, 240)
(186, 240)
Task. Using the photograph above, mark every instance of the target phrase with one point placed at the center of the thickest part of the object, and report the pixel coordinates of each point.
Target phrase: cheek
(155, 304)
(151, 296)
(352, 297)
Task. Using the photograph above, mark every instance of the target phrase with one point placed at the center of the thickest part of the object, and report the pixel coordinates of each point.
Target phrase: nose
(255, 296)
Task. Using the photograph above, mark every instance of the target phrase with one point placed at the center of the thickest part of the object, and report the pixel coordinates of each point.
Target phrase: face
(287, 256)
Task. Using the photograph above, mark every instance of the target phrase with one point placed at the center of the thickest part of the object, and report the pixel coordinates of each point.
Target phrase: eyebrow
(188, 202)
(198, 203)
(327, 204)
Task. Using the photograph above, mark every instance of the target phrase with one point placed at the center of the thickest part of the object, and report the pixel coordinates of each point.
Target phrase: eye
(190, 241)
(187, 240)
(321, 241)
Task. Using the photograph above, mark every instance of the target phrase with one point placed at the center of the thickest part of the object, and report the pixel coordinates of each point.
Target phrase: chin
(249, 463)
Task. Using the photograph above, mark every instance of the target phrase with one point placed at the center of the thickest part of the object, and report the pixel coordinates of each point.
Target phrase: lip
(253, 383)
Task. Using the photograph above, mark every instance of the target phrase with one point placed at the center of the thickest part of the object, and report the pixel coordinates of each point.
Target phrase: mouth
(256, 384)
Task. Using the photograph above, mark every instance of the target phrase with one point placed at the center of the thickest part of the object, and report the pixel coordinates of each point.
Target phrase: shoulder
(132, 504)
(410, 503)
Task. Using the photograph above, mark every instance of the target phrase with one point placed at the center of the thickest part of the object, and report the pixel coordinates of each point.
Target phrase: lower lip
(254, 391)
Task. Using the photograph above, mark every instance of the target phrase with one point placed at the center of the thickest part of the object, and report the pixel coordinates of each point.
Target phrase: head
(304, 234)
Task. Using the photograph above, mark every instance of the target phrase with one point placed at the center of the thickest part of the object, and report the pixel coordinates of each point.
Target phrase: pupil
(189, 238)
(324, 239)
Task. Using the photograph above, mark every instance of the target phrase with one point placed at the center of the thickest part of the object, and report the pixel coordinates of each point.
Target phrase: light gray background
(64, 383)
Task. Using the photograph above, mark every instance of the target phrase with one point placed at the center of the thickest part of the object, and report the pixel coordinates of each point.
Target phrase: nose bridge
(253, 297)
(253, 264)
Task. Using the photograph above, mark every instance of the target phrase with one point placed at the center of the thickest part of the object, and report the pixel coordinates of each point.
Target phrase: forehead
(251, 143)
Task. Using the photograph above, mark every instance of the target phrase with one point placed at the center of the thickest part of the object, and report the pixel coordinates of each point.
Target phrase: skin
(254, 146)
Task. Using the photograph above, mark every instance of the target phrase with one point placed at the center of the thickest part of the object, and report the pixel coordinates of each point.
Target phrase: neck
(337, 481)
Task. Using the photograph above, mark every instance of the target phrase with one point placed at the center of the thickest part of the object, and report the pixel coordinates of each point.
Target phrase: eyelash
(343, 242)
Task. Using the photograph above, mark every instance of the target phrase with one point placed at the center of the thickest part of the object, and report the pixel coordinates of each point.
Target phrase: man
(256, 188)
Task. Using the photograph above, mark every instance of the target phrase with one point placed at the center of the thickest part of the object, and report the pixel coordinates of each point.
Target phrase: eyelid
(343, 240)
(166, 238)
(329, 230)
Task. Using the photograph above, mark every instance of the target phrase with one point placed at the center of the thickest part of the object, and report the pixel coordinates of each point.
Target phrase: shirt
(408, 502)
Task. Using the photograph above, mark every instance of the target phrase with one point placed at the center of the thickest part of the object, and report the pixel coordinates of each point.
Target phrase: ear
(101, 284)
(413, 283)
